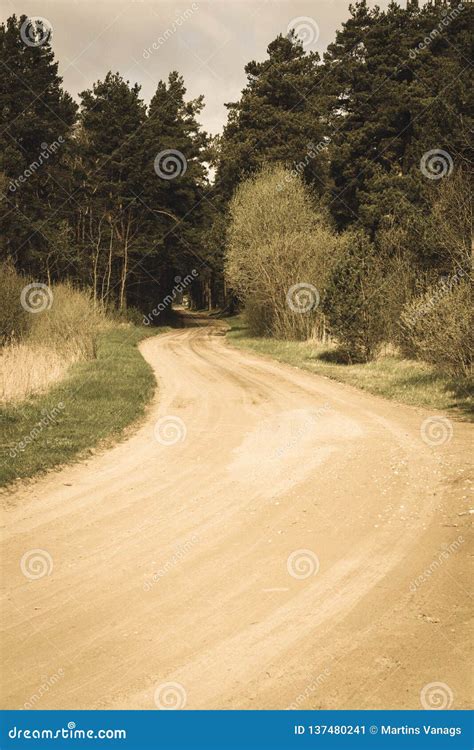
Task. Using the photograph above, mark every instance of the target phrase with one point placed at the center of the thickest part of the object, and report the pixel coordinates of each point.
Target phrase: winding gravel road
(265, 539)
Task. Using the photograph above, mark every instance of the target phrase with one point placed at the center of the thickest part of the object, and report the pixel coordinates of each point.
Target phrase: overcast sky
(207, 41)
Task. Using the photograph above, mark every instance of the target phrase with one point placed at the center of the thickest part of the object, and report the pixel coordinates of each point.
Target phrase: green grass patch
(97, 400)
(407, 381)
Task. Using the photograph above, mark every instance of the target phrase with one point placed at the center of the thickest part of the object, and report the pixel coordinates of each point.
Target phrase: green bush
(14, 319)
(354, 300)
(437, 326)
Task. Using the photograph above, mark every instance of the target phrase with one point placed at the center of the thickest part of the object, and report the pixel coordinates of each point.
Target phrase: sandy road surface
(270, 558)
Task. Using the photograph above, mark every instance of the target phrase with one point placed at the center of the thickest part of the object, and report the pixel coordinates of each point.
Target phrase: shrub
(354, 300)
(438, 325)
(14, 319)
(128, 315)
(56, 338)
(404, 278)
(280, 250)
(71, 323)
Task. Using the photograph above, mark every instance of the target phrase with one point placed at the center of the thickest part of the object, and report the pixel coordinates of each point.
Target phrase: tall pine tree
(36, 117)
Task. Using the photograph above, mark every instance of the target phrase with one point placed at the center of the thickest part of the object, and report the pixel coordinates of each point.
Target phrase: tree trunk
(105, 295)
(123, 280)
(96, 257)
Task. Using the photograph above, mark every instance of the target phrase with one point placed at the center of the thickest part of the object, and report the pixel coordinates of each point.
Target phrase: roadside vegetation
(93, 404)
(71, 375)
(405, 380)
(43, 331)
(349, 297)
(348, 230)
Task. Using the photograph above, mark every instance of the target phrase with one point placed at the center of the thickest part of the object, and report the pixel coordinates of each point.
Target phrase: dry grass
(55, 339)
(29, 368)
(99, 398)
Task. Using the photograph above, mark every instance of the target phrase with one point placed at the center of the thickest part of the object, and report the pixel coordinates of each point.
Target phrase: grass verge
(407, 381)
(97, 400)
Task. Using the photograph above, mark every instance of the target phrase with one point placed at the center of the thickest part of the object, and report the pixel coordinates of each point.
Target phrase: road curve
(283, 541)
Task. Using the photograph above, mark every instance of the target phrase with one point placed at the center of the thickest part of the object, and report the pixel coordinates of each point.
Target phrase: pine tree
(398, 87)
(354, 300)
(277, 119)
(112, 115)
(36, 122)
(173, 185)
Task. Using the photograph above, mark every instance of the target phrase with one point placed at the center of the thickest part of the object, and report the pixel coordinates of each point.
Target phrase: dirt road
(282, 541)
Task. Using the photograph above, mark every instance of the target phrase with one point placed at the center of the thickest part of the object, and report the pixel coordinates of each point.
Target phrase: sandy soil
(298, 543)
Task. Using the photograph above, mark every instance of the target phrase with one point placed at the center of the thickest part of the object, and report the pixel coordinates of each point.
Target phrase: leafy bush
(280, 251)
(437, 326)
(354, 300)
(14, 319)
